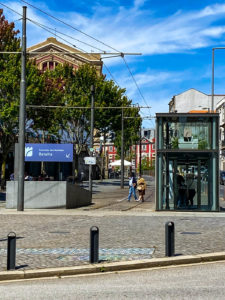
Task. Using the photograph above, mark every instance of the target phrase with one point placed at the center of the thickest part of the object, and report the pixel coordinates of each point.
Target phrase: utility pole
(92, 134)
(140, 152)
(212, 104)
(122, 151)
(20, 199)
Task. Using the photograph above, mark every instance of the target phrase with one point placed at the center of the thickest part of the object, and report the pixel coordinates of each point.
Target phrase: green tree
(10, 74)
(9, 89)
(75, 123)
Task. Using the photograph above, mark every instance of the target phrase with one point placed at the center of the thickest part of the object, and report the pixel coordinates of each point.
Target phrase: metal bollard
(169, 238)
(11, 251)
(94, 244)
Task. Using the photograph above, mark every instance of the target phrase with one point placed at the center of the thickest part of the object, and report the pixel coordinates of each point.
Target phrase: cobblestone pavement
(57, 238)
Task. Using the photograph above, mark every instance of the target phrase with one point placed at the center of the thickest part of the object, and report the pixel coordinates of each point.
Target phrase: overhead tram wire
(134, 80)
(86, 107)
(57, 19)
(48, 29)
(78, 30)
(136, 83)
(16, 12)
(69, 36)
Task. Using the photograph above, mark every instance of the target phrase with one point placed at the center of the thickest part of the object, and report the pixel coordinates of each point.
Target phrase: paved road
(57, 238)
(63, 240)
(192, 282)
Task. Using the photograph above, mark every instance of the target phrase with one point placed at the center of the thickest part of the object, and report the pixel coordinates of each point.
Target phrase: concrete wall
(77, 196)
(47, 194)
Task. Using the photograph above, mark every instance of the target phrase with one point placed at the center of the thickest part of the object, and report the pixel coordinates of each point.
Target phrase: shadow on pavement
(21, 267)
(2, 196)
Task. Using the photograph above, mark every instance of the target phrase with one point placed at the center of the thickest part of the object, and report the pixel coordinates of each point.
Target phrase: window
(143, 147)
(111, 148)
(153, 146)
(51, 65)
(44, 66)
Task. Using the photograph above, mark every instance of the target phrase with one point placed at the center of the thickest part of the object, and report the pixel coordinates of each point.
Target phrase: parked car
(222, 177)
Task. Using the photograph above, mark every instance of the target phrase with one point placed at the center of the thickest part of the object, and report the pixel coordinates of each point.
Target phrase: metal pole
(92, 134)
(20, 199)
(94, 244)
(135, 153)
(122, 151)
(169, 239)
(140, 171)
(11, 251)
(212, 104)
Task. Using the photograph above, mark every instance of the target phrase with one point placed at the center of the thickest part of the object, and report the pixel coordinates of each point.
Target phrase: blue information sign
(49, 152)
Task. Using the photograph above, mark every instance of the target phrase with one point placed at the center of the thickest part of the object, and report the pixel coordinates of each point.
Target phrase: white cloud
(129, 31)
(150, 78)
(133, 29)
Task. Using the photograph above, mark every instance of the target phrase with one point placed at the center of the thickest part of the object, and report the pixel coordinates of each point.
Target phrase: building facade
(50, 53)
(193, 99)
(220, 108)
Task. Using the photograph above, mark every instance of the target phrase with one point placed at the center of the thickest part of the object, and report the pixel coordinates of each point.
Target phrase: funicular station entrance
(187, 161)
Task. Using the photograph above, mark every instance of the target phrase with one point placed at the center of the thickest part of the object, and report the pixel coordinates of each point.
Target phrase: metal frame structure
(168, 160)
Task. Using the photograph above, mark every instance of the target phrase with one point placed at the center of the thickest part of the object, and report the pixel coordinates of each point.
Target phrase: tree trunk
(3, 174)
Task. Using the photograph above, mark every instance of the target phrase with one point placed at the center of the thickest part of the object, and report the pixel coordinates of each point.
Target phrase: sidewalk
(128, 231)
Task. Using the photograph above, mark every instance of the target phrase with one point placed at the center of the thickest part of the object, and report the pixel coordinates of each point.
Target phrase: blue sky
(175, 38)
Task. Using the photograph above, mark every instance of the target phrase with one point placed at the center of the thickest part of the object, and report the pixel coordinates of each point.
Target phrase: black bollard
(11, 251)
(94, 244)
(169, 238)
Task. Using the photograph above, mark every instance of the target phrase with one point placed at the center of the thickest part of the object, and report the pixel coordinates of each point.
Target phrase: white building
(220, 108)
(193, 100)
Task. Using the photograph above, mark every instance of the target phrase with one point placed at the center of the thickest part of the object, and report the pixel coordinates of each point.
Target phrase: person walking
(141, 187)
(132, 187)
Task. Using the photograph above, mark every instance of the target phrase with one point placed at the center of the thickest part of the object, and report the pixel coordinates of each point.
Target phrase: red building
(147, 152)
(111, 152)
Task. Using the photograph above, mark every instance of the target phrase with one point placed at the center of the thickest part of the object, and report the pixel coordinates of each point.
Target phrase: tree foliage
(61, 87)
(10, 74)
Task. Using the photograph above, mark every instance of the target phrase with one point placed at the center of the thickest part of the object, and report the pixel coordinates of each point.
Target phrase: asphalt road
(203, 281)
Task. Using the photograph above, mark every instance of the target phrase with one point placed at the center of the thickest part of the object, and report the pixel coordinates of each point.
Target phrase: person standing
(141, 187)
(132, 187)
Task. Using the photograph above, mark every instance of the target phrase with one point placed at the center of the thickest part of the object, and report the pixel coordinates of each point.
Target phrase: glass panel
(185, 184)
(188, 133)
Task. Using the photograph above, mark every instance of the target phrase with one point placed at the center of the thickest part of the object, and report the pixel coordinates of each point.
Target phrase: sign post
(90, 160)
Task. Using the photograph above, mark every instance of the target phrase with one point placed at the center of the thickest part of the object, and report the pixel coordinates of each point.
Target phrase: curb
(111, 267)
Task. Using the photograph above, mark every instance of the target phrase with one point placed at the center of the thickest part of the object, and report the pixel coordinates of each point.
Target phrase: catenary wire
(57, 19)
(48, 29)
(61, 21)
(73, 45)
